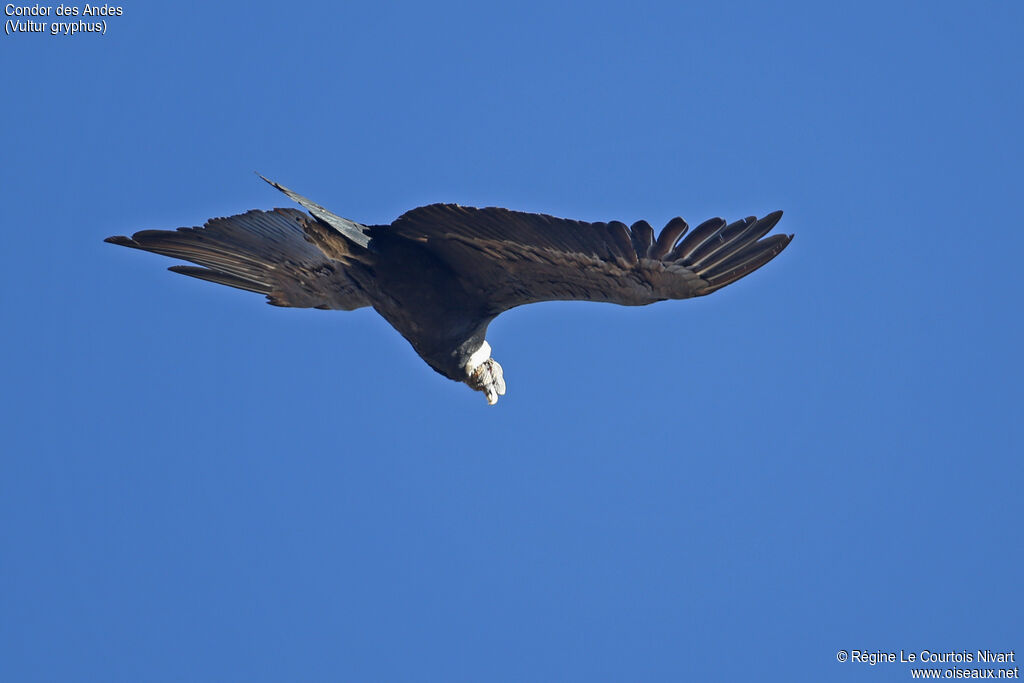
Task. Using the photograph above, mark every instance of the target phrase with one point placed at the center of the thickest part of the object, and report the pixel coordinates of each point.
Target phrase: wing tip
(746, 259)
(121, 240)
(270, 182)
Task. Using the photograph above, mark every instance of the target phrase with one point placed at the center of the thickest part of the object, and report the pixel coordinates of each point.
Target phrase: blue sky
(824, 456)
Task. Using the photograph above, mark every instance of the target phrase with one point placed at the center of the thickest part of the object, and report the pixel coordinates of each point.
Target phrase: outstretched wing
(275, 253)
(517, 258)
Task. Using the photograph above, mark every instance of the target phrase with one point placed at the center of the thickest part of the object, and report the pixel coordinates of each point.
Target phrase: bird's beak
(489, 379)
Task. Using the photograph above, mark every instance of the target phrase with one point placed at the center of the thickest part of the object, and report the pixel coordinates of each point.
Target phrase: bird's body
(443, 319)
(440, 273)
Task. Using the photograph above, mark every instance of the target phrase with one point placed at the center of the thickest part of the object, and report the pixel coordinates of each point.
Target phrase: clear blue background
(824, 456)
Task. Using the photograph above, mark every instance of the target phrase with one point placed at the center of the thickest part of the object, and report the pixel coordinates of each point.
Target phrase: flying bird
(441, 273)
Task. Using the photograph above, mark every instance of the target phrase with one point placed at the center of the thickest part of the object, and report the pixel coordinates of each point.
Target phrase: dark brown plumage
(440, 273)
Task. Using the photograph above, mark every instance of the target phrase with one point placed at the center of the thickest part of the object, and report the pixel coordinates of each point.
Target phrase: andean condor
(441, 273)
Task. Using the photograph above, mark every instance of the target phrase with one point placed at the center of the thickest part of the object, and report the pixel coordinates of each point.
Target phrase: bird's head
(484, 374)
